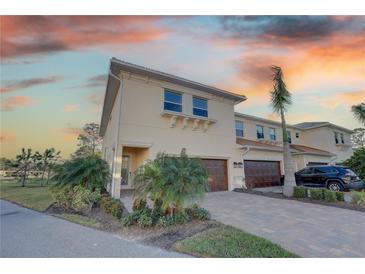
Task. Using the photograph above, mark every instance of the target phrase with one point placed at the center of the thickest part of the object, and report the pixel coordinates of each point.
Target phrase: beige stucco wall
(323, 138)
(142, 124)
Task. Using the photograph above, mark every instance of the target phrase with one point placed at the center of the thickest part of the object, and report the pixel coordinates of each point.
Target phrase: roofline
(256, 118)
(133, 68)
(328, 124)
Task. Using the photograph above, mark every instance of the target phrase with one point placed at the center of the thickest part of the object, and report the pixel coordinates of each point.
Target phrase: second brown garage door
(262, 173)
(218, 176)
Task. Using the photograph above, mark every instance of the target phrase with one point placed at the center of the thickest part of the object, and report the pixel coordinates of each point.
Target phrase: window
(260, 132)
(239, 128)
(296, 134)
(342, 138)
(305, 171)
(272, 134)
(336, 137)
(325, 169)
(200, 107)
(289, 136)
(172, 101)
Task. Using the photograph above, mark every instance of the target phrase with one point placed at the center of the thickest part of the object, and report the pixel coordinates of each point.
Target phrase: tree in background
(280, 101)
(357, 162)
(89, 141)
(47, 160)
(358, 138)
(359, 112)
(24, 163)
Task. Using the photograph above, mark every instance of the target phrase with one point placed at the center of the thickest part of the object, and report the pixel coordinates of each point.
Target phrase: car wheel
(335, 186)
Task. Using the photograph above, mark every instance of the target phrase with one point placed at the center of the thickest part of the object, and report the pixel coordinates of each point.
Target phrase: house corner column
(117, 173)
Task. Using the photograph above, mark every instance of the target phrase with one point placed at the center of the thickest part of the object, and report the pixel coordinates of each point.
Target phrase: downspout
(242, 170)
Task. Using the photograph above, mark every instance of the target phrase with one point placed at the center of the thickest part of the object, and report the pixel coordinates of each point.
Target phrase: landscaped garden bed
(319, 196)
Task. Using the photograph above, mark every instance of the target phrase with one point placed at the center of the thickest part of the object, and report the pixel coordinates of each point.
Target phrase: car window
(305, 171)
(325, 169)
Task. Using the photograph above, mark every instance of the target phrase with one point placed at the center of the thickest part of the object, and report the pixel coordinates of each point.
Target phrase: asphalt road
(30, 234)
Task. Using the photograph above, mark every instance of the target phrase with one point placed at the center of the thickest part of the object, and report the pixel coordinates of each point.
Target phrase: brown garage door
(262, 173)
(218, 176)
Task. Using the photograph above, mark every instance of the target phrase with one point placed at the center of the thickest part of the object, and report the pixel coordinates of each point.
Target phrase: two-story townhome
(147, 111)
(311, 143)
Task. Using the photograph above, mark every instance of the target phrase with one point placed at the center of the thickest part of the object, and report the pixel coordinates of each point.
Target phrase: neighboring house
(311, 143)
(147, 111)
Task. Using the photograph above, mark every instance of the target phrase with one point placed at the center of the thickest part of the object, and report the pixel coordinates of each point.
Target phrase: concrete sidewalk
(28, 233)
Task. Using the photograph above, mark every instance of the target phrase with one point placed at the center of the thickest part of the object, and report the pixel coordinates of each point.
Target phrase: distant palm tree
(359, 112)
(280, 101)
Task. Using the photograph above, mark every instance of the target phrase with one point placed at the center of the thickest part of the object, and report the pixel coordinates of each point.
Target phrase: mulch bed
(155, 236)
(337, 204)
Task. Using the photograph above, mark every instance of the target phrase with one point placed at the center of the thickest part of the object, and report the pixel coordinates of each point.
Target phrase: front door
(125, 173)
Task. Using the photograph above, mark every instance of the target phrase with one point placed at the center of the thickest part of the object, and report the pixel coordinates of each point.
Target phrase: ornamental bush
(176, 181)
(76, 198)
(340, 196)
(316, 193)
(329, 196)
(199, 213)
(111, 206)
(300, 192)
(358, 198)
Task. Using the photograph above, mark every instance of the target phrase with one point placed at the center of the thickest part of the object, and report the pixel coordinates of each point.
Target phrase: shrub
(139, 204)
(181, 217)
(199, 213)
(340, 196)
(128, 220)
(111, 206)
(300, 192)
(358, 198)
(157, 211)
(316, 193)
(84, 199)
(90, 172)
(63, 197)
(329, 196)
(166, 221)
(78, 198)
(175, 180)
(145, 219)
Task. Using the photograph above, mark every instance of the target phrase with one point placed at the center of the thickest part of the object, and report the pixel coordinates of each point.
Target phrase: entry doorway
(126, 170)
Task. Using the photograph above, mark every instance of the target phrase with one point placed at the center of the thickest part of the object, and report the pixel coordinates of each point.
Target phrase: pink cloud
(15, 102)
(6, 137)
(21, 35)
(70, 108)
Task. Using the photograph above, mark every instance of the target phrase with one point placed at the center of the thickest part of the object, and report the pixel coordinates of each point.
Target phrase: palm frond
(359, 112)
(280, 97)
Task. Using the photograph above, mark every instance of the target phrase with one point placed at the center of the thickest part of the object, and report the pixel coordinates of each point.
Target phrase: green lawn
(32, 195)
(228, 242)
(79, 219)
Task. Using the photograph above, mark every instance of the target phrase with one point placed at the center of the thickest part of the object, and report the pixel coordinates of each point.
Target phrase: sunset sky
(53, 68)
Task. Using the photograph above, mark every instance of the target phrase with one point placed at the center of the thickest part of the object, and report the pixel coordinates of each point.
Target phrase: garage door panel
(262, 173)
(217, 171)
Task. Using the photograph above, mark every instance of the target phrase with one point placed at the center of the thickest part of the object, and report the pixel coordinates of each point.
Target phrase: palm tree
(280, 101)
(359, 112)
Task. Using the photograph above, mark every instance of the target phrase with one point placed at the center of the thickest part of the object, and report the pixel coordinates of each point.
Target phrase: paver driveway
(27, 233)
(308, 230)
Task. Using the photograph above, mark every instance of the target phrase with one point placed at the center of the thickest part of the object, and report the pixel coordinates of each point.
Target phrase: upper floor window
(172, 101)
(336, 138)
(200, 107)
(289, 136)
(272, 134)
(260, 132)
(342, 138)
(297, 135)
(239, 128)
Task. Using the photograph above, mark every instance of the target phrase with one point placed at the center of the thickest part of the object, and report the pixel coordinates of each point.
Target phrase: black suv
(337, 178)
